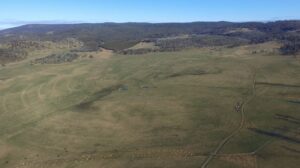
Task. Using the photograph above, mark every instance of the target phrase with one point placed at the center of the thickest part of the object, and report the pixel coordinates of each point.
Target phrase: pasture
(209, 107)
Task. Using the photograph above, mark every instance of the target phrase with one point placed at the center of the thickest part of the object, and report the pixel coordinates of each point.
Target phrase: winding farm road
(236, 131)
(224, 142)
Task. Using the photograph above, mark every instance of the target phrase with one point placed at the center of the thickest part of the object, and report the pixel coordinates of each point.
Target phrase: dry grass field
(209, 107)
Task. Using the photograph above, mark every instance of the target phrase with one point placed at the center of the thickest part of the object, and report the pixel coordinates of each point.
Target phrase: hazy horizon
(16, 12)
(76, 22)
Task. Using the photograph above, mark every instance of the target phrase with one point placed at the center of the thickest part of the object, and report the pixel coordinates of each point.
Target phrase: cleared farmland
(208, 107)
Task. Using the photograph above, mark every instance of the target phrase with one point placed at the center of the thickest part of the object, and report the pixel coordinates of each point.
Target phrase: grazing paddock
(208, 107)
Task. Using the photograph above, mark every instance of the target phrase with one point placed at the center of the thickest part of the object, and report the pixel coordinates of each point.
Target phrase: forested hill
(121, 35)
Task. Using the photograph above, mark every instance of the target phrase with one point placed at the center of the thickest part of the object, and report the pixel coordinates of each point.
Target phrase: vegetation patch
(24, 44)
(11, 55)
(177, 44)
(119, 45)
(291, 44)
(138, 51)
(198, 42)
(56, 58)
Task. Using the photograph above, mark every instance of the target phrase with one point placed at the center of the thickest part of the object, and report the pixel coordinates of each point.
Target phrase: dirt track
(237, 130)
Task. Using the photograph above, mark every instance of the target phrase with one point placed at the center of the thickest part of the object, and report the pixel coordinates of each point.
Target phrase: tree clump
(56, 58)
(11, 55)
(291, 45)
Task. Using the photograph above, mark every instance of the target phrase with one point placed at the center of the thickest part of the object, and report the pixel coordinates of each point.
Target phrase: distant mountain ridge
(118, 36)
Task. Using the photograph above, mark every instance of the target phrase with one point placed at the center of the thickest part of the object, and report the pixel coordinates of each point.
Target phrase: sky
(19, 12)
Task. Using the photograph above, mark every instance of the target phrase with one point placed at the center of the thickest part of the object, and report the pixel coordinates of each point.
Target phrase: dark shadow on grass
(277, 84)
(290, 149)
(193, 72)
(287, 118)
(87, 103)
(294, 101)
(3, 79)
(275, 135)
(161, 75)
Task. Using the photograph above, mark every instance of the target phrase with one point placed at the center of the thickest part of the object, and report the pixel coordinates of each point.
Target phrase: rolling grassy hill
(199, 107)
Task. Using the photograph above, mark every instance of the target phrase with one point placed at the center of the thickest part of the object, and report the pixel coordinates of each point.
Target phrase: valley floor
(209, 107)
